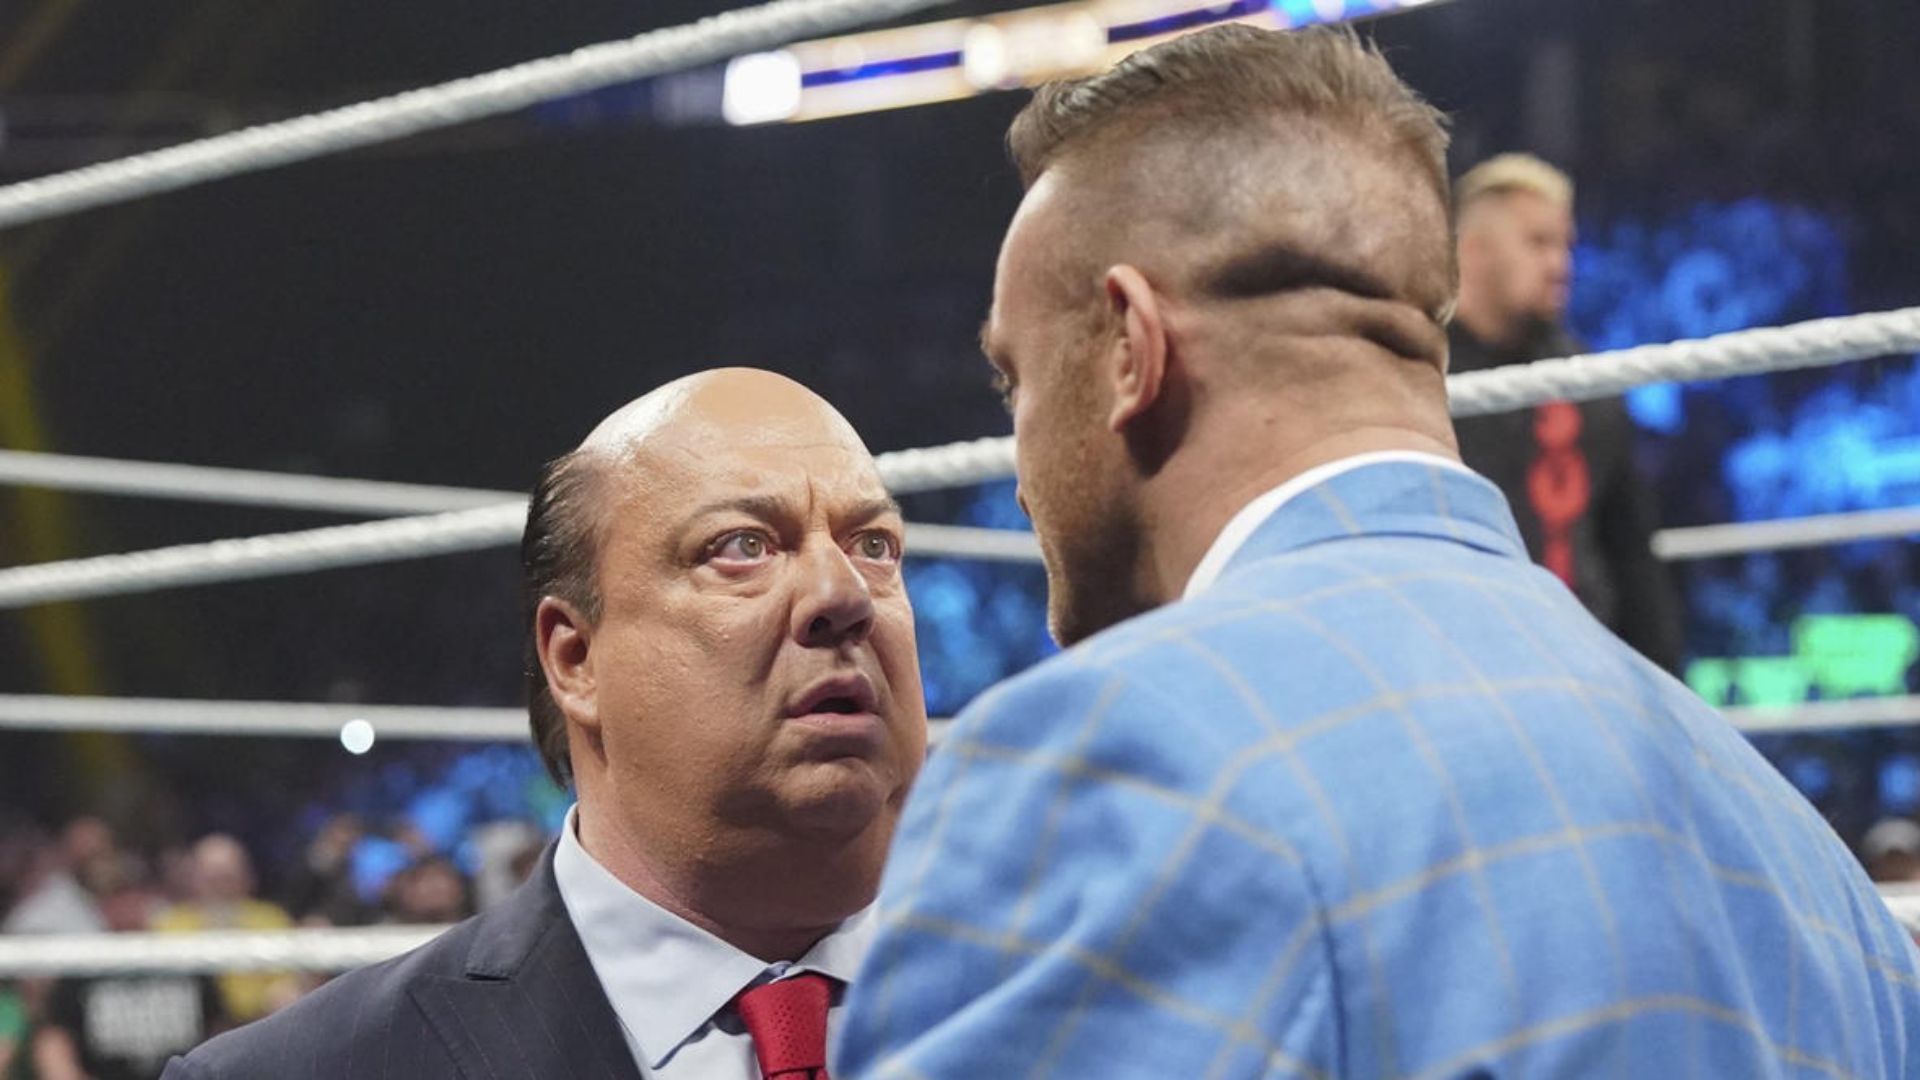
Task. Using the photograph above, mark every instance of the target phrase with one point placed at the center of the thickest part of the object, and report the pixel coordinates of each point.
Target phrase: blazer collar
(1393, 498)
(527, 1002)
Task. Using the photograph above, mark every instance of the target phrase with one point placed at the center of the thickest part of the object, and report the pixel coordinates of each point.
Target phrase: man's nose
(834, 606)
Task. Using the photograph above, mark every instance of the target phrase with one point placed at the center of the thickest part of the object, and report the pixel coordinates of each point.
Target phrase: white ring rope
(1820, 343)
(301, 491)
(208, 952)
(1840, 715)
(288, 719)
(1904, 902)
(326, 950)
(263, 556)
(283, 719)
(904, 472)
(1820, 530)
(676, 48)
(372, 543)
(270, 719)
(241, 487)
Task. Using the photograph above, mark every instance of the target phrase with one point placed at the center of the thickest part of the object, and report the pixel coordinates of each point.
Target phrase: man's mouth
(844, 695)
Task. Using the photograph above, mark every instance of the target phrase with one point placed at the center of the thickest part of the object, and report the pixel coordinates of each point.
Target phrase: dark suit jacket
(507, 995)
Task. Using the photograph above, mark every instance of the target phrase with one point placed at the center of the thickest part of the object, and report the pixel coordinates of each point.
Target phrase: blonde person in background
(223, 885)
(1567, 469)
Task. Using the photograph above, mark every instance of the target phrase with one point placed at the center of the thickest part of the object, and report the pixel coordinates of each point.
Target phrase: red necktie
(788, 1023)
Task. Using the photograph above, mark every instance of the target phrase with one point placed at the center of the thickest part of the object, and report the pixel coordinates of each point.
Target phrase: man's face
(1519, 249)
(1042, 340)
(223, 874)
(754, 666)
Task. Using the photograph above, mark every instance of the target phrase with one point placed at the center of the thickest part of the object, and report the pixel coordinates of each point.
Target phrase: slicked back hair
(1229, 73)
(1323, 91)
(559, 557)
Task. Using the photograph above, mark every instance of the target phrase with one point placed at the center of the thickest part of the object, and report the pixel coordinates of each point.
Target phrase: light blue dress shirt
(670, 981)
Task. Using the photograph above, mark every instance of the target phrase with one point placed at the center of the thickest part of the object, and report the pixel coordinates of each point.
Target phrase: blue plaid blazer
(1383, 802)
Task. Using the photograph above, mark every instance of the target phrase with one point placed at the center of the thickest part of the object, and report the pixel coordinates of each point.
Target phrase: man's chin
(844, 797)
(1071, 623)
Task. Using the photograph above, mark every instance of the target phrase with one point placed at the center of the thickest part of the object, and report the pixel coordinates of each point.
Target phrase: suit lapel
(529, 1004)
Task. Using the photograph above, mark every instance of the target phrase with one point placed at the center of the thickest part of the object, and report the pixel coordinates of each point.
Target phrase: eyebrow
(770, 507)
(868, 509)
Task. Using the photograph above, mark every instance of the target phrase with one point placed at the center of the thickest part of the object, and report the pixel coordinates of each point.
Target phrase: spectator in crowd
(223, 899)
(1891, 851)
(123, 1027)
(322, 886)
(430, 891)
(49, 899)
(88, 841)
(1566, 469)
(507, 852)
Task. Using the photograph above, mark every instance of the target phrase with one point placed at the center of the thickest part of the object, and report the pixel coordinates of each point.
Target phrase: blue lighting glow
(1900, 784)
(1314, 12)
(1765, 447)
(977, 622)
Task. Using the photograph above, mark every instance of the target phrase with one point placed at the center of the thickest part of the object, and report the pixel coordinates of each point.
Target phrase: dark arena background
(456, 308)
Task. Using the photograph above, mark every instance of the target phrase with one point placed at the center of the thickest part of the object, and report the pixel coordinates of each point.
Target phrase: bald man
(722, 665)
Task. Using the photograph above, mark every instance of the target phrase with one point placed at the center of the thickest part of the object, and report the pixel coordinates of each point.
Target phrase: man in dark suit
(722, 664)
(1567, 469)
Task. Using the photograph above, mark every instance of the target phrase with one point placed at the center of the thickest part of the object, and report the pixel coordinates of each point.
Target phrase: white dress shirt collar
(1242, 525)
(665, 977)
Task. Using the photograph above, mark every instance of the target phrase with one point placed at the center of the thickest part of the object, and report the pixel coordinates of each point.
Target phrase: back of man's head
(1234, 231)
(1268, 160)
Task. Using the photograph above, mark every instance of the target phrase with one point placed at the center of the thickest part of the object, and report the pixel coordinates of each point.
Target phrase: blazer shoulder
(327, 1024)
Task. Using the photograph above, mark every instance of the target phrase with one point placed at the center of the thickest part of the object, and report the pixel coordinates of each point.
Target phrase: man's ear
(563, 641)
(1139, 360)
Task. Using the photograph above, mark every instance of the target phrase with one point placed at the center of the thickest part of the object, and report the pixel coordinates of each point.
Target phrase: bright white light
(1083, 41)
(357, 735)
(1330, 10)
(983, 57)
(761, 88)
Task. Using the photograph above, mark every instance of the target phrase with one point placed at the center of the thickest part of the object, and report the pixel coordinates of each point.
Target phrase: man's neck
(1194, 502)
(754, 902)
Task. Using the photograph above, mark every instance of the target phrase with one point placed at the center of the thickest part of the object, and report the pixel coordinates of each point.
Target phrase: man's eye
(740, 547)
(877, 546)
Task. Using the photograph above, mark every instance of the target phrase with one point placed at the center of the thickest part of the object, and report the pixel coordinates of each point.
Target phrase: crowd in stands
(81, 879)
